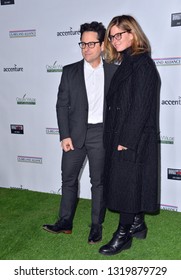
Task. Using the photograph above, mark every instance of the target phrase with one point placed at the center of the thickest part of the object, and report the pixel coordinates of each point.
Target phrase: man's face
(91, 55)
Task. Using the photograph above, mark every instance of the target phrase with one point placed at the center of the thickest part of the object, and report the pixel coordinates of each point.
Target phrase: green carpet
(22, 214)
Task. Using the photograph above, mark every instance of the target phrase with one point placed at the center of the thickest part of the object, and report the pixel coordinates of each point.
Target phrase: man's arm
(62, 106)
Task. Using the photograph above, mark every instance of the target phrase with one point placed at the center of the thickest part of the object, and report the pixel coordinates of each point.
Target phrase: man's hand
(67, 144)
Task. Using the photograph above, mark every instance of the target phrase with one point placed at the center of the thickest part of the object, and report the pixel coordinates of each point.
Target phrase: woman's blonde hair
(140, 43)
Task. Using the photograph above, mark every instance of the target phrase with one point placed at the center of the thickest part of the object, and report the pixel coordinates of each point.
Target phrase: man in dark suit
(80, 114)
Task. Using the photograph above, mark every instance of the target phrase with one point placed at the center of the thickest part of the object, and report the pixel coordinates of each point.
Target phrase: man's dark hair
(95, 27)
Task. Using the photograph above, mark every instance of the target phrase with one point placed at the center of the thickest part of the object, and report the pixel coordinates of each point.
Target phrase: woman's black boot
(121, 240)
(138, 229)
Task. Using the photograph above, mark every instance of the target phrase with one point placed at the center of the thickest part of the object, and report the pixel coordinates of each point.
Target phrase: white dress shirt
(94, 81)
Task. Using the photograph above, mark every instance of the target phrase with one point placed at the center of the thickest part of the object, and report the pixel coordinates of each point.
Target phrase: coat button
(109, 108)
(118, 108)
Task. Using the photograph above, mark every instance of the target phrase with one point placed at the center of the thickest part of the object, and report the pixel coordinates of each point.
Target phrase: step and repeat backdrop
(39, 37)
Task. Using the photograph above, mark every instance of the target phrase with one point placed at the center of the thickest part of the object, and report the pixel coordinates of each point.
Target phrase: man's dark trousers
(72, 163)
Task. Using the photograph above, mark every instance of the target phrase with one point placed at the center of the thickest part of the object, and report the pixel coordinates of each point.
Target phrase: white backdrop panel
(32, 160)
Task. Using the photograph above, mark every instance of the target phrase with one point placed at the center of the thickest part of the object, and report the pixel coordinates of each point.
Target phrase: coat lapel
(82, 86)
(123, 72)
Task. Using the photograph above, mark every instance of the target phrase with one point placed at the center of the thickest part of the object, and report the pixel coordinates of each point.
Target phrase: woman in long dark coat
(131, 132)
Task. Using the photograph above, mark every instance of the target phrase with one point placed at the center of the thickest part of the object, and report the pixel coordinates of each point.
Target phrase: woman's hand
(121, 148)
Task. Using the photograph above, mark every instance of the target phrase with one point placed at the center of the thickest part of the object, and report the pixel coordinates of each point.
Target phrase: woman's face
(120, 41)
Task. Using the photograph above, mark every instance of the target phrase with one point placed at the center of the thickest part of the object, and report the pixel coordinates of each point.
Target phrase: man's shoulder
(73, 65)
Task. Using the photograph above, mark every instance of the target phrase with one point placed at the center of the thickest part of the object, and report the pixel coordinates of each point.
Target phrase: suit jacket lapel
(106, 78)
(82, 86)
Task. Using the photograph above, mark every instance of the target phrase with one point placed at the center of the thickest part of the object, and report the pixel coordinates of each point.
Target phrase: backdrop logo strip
(174, 174)
(54, 131)
(21, 187)
(17, 129)
(166, 140)
(7, 2)
(170, 61)
(54, 68)
(169, 207)
(25, 100)
(27, 159)
(176, 19)
(22, 33)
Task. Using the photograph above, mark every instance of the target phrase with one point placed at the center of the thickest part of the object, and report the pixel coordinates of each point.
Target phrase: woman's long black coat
(131, 176)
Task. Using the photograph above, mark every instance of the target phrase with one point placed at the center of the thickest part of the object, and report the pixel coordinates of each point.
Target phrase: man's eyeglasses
(91, 45)
(117, 36)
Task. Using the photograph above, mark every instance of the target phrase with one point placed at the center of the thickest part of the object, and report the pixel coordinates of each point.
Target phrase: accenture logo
(170, 61)
(21, 187)
(170, 102)
(68, 33)
(13, 69)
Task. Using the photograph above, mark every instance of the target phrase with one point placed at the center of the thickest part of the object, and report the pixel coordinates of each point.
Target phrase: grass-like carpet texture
(22, 214)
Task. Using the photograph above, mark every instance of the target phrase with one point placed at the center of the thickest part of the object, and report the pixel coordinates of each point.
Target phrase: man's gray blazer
(72, 102)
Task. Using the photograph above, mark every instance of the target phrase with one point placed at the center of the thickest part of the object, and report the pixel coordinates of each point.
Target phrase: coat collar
(128, 64)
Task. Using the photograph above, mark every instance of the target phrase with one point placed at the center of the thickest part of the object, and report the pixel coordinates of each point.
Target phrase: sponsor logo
(25, 100)
(68, 33)
(169, 207)
(17, 129)
(52, 131)
(54, 68)
(166, 139)
(170, 61)
(176, 19)
(173, 174)
(19, 188)
(13, 69)
(22, 33)
(28, 159)
(7, 2)
(172, 102)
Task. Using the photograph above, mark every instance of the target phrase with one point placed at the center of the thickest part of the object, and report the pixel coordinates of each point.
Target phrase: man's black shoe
(58, 227)
(95, 234)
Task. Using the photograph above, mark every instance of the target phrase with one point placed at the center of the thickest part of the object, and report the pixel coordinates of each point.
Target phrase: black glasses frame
(119, 35)
(91, 45)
